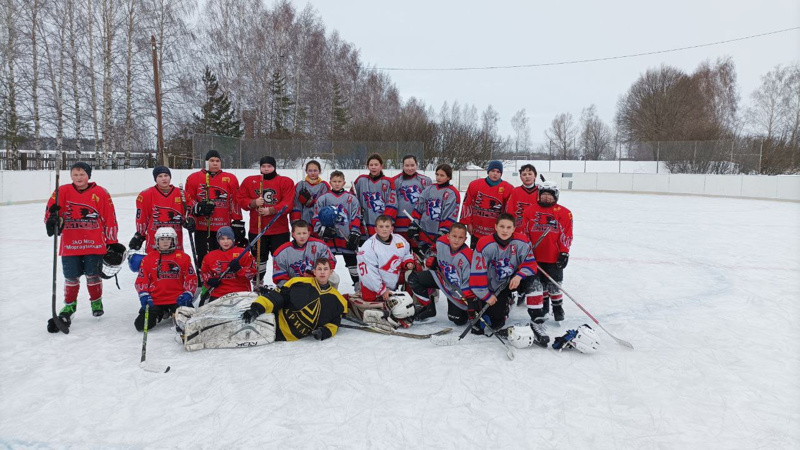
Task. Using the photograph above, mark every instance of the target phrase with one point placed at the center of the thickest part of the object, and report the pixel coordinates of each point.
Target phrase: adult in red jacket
(158, 206)
(211, 200)
(523, 196)
(486, 198)
(86, 220)
(264, 196)
(552, 254)
(166, 280)
(241, 272)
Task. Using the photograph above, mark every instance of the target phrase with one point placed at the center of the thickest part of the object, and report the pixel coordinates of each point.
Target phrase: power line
(582, 61)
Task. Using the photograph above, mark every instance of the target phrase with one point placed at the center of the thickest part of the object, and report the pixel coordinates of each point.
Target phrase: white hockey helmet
(586, 340)
(520, 336)
(550, 187)
(167, 232)
(400, 304)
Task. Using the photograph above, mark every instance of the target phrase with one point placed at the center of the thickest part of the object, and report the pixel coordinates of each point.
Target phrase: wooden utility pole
(160, 150)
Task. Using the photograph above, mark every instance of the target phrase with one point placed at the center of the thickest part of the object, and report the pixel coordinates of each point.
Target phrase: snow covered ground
(706, 289)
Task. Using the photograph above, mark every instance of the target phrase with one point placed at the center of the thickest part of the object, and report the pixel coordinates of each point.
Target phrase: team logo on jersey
(435, 209)
(301, 267)
(503, 268)
(221, 269)
(487, 206)
(521, 206)
(168, 270)
(341, 214)
(270, 196)
(79, 216)
(543, 221)
(374, 201)
(410, 193)
(393, 265)
(163, 216)
(450, 273)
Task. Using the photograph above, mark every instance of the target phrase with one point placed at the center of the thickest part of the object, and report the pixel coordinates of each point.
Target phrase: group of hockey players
(401, 239)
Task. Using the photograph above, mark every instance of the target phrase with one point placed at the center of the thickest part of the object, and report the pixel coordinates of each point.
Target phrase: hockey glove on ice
(238, 233)
(145, 299)
(353, 240)
(136, 241)
(185, 299)
(563, 341)
(252, 313)
(563, 259)
(190, 224)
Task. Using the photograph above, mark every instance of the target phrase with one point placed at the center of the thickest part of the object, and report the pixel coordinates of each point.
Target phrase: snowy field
(706, 289)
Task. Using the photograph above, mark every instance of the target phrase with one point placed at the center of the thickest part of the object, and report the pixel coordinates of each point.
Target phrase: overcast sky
(432, 33)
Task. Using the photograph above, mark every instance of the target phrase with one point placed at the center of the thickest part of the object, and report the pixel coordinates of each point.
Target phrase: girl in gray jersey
(437, 209)
(408, 185)
(376, 195)
(307, 192)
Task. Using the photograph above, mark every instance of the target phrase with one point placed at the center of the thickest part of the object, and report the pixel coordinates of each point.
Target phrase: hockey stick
(60, 324)
(538, 241)
(361, 325)
(509, 350)
(150, 367)
(258, 246)
(191, 239)
(618, 340)
(206, 293)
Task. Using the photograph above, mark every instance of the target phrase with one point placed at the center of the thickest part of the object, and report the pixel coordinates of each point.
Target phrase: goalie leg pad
(219, 324)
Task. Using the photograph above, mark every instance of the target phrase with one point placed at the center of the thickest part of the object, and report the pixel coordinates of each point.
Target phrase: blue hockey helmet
(327, 216)
(135, 261)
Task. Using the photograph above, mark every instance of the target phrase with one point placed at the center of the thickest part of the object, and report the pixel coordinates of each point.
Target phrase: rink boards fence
(37, 186)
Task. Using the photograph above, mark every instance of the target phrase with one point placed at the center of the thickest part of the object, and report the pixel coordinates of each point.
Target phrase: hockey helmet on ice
(585, 340)
(400, 304)
(520, 336)
(327, 216)
(167, 232)
(550, 187)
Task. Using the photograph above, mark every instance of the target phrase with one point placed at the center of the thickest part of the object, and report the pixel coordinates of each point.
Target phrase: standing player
(240, 274)
(485, 200)
(264, 196)
(448, 269)
(500, 257)
(523, 196)
(380, 262)
(210, 196)
(86, 220)
(376, 195)
(408, 186)
(308, 191)
(156, 207)
(437, 209)
(166, 280)
(296, 259)
(337, 220)
(552, 254)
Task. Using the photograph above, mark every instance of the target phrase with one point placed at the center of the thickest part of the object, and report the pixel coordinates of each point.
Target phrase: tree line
(80, 72)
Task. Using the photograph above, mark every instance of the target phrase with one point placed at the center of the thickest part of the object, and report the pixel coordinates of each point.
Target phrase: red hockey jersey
(277, 193)
(482, 205)
(558, 219)
(218, 260)
(90, 222)
(166, 276)
(221, 189)
(155, 209)
(521, 198)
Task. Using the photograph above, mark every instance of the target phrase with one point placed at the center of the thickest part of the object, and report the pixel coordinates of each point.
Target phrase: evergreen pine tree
(218, 116)
(281, 105)
(340, 114)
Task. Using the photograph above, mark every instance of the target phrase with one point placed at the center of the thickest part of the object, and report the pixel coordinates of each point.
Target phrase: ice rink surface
(706, 289)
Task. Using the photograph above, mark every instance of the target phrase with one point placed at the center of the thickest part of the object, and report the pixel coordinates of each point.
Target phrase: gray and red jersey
(292, 260)
(305, 211)
(494, 262)
(376, 197)
(437, 210)
(348, 218)
(454, 271)
(408, 189)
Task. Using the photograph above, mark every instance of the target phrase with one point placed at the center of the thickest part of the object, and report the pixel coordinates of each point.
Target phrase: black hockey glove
(413, 231)
(353, 241)
(204, 208)
(239, 235)
(54, 222)
(136, 241)
(317, 333)
(563, 259)
(190, 224)
(305, 198)
(213, 282)
(234, 266)
(329, 233)
(252, 313)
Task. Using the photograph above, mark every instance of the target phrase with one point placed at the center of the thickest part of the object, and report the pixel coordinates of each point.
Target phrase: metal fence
(46, 160)
(290, 154)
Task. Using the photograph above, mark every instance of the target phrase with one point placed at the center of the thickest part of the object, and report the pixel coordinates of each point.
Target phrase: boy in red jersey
(484, 201)
(166, 280)
(523, 196)
(86, 220)
(211, 199)
(158, 206)
(240, 274)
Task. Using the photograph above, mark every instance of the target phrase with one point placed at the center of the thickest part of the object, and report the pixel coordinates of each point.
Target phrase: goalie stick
(150, 367)
(395, 333)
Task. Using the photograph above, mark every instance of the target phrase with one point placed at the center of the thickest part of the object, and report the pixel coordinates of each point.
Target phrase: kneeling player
(303, 306)
(240, 272)
(166, 279)
(380, 261)
(296, 258)
(503, 262)
(448, 270)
